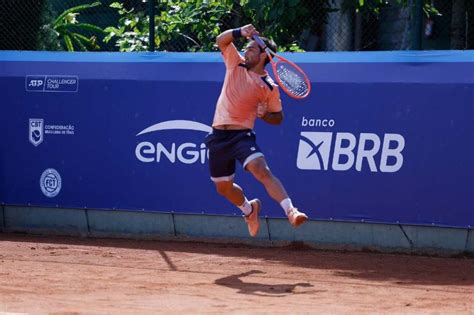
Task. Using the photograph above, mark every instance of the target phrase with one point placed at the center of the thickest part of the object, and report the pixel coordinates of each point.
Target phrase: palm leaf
(78, 41)
(89, 27)
(68, 42)
(82, 26)
(76, 9)
(84, 39)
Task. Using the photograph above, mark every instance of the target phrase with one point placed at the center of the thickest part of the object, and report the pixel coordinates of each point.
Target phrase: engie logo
(36, 131)
(174, 151)
(315, 148)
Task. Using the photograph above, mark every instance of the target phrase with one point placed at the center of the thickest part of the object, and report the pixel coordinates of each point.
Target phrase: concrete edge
(2, 218)
(324, 235)
(469, 248)
(434, 239)
(45, 220)
(107, 223)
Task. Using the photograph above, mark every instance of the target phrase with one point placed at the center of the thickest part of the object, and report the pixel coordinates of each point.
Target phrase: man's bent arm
(225, 38)
(273, 118)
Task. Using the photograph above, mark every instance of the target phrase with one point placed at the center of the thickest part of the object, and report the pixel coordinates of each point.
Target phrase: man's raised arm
(225, 38)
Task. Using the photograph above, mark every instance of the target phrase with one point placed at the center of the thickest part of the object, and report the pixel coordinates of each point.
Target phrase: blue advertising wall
(383, 137)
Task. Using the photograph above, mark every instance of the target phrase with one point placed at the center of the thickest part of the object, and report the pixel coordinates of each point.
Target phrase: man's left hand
(261, 110)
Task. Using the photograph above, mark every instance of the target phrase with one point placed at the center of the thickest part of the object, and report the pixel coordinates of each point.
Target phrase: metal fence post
(417, 29)
(358, 31)
(151, 32)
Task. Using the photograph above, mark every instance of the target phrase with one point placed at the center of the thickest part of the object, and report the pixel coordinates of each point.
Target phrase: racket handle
(259, 41)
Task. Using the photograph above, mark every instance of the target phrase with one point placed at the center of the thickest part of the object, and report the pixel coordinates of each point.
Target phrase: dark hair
(271, 45)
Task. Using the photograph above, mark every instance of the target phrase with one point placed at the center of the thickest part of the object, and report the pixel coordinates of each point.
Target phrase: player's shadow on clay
(243, 287)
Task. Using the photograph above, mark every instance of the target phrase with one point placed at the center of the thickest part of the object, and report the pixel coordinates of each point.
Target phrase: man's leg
(260, 170)
(231, 191)
(234, 193)
(222, 156)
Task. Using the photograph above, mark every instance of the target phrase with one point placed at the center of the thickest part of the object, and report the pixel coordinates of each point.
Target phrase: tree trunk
(397, 27)
(458, 25)
(338, 31)
(470, 26)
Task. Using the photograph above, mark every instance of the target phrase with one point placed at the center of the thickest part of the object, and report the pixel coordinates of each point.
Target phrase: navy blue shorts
(227, 146)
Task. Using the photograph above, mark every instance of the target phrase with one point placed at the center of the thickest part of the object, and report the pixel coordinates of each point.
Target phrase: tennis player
(248, 93)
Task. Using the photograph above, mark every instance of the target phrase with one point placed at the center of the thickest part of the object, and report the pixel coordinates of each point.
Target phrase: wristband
(237, 33)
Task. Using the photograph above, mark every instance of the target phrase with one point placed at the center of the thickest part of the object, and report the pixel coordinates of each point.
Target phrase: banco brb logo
(318, 151)
(185, 152)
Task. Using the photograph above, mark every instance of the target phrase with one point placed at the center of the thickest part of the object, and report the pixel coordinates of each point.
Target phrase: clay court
(63, 275)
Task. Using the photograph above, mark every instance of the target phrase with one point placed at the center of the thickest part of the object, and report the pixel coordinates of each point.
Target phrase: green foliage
(47, 37)
(69, 30)
(132, 32)
(283, 20)
(375, 5)
(194, 25)
(189, 26)
(430, 9)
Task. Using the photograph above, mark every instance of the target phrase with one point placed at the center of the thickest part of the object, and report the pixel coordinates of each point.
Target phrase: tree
(396, 24)
(458, 25)
(179, 26)
(69, 30)
(295, 25)
(291, 23)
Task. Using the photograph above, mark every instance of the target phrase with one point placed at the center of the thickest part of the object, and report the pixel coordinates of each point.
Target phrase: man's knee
(260, 170)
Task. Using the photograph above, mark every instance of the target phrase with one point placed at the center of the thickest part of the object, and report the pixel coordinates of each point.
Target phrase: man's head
(255, 55)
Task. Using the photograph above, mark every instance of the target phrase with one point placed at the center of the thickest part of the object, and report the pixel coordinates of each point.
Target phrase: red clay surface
(62, 275)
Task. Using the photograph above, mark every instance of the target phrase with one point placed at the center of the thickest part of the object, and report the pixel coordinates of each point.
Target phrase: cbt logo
(174, 151)
(50, 183)
(36, 131)
(315, 148)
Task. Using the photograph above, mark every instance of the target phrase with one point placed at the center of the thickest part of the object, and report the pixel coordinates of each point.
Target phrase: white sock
(286, 204)
(246, 207)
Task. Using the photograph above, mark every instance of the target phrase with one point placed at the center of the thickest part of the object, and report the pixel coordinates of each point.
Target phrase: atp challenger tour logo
(51, 83)
(340, 151)
(188, 150)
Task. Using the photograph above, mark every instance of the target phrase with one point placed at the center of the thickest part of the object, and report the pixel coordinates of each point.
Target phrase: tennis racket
(289, 76)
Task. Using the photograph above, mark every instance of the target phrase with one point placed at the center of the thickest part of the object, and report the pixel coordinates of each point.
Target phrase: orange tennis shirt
(242, 92)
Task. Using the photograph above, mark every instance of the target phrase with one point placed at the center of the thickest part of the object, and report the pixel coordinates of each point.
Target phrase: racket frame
(270, 55)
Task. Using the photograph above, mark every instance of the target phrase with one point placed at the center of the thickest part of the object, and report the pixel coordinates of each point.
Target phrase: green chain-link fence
(296, 25)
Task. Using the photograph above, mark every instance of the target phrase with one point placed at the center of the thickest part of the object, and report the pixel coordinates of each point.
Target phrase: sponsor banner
(361, 147)
(37, 130)
(315, 147)
(51, 83)
(186, 152)
(50, 183)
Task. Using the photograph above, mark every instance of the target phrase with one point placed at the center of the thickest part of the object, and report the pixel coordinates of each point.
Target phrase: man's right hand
(248, 31)
(226, 38)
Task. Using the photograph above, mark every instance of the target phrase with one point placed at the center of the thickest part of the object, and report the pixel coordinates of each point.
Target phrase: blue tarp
(383, 137)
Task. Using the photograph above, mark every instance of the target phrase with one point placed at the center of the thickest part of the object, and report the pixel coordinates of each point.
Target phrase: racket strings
(293, 81)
